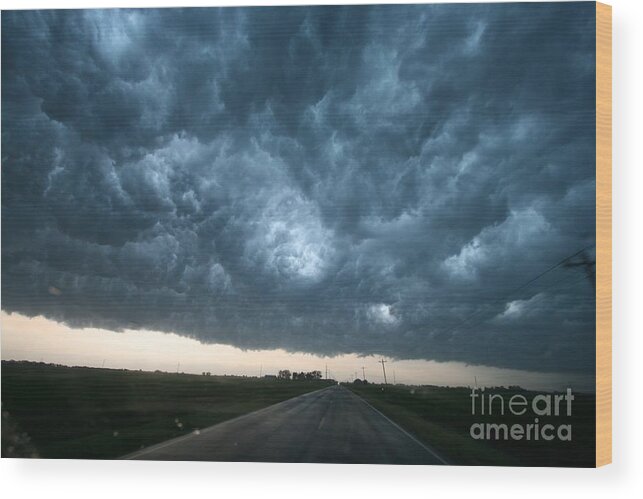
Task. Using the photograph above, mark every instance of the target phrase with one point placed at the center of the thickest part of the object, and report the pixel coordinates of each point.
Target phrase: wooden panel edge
(603, 234)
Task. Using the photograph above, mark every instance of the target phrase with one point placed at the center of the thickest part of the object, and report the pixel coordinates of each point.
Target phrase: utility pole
(363, 374)
(326, 372)
(260, 370)
(588, 266)
(384, 370)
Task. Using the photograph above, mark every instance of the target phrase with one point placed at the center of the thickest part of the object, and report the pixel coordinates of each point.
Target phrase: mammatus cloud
(331, 179)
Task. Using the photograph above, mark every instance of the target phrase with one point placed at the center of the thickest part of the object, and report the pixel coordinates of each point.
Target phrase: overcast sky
(353, 180)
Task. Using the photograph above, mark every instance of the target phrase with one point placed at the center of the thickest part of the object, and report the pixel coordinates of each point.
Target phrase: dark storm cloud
(346, 179)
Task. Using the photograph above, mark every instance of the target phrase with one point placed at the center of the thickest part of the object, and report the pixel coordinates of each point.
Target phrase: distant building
(269, 376)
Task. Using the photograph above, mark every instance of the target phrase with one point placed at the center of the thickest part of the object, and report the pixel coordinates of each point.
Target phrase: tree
(309, 376)
(284, 374)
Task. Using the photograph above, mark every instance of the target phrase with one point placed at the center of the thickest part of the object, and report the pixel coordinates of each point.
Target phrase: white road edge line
(172, 441)
(424, 446)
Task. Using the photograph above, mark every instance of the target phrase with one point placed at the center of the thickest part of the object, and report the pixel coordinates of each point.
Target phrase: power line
(567, 278)
(519, 288)
(553, 267)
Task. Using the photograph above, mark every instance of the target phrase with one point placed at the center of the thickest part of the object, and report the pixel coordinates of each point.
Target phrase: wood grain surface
(603, 234)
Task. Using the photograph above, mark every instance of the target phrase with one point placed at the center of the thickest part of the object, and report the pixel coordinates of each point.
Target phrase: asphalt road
(332, 425)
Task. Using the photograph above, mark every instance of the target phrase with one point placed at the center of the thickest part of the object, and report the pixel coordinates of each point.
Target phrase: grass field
(441, 417)
(77, 412)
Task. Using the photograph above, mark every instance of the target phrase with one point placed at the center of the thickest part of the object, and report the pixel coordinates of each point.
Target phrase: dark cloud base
(323, 179)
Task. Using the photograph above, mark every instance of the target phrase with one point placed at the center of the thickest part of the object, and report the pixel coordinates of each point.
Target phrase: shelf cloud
(370, 180)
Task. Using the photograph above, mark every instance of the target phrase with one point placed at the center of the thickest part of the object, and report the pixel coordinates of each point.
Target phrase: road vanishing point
(332, 425)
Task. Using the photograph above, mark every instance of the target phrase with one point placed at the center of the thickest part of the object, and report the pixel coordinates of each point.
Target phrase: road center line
(172, 441)
(321, 422)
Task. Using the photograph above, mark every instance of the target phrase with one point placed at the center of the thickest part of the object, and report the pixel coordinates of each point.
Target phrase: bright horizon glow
(41, 339)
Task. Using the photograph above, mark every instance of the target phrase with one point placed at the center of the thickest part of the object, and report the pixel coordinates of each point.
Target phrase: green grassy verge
(77, 412)
(441, 417)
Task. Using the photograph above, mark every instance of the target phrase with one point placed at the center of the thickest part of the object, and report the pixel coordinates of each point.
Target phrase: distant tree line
(306, 376)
